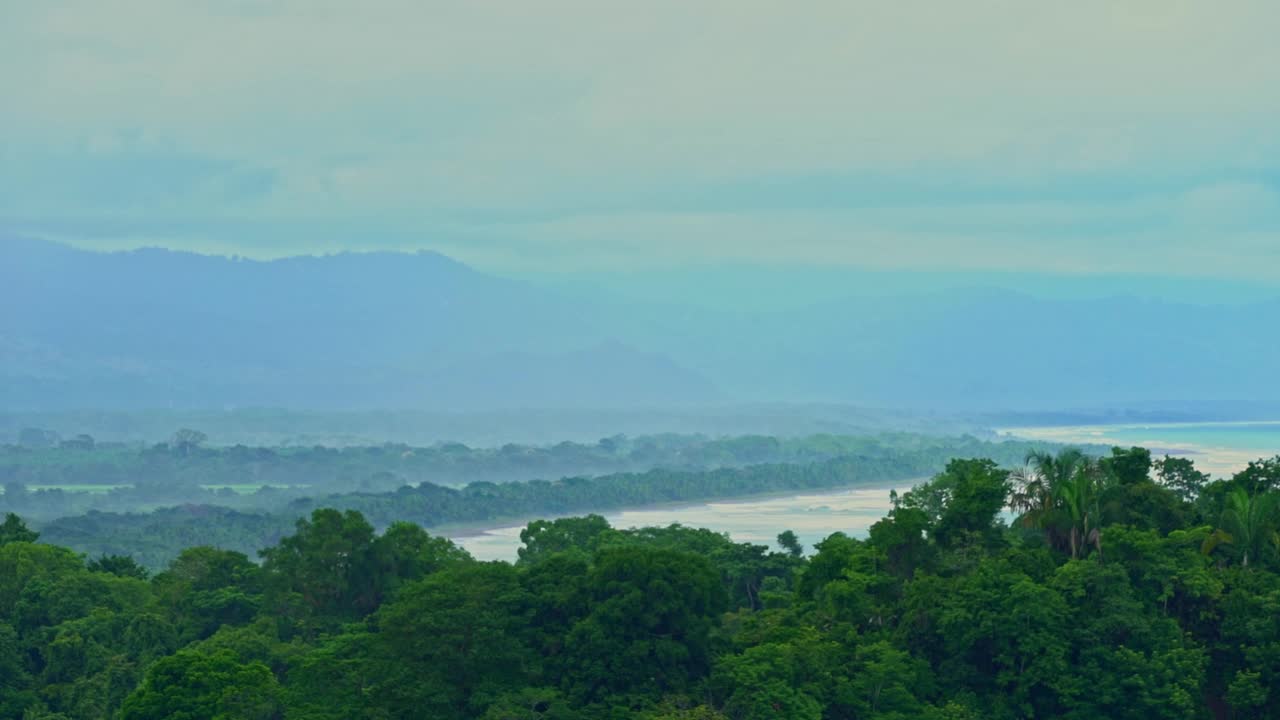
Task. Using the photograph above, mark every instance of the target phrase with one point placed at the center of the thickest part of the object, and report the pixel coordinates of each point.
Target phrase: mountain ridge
(162, 328)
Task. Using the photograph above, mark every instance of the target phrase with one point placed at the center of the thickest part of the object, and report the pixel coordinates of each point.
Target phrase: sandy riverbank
(811, 514)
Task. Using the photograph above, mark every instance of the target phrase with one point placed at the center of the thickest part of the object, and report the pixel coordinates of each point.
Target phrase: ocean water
(1260, 437)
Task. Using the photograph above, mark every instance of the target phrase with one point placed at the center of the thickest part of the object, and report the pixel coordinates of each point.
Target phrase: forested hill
(155, 328)
(1125, 589)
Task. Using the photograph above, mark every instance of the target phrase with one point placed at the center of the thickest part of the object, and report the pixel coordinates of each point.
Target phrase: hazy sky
(523, 136)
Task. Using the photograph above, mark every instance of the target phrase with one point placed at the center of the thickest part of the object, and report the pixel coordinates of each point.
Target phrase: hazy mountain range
(162, 329)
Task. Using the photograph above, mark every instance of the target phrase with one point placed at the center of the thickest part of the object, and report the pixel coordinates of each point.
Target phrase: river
(812, 516)
(1218, 448)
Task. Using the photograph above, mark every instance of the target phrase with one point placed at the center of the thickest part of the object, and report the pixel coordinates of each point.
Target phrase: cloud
(1228, 232)
(118, 176)
(910, 133)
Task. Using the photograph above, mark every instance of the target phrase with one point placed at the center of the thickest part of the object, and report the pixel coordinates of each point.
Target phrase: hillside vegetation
(1124, 588)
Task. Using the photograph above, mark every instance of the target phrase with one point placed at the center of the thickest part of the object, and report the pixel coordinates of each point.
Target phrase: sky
(1000, 137)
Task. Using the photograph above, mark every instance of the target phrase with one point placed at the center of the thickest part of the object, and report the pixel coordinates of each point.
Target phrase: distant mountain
(154, 328)
(999, 350)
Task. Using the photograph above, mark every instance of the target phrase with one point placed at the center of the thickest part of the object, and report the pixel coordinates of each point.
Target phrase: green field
(76, 487)
(247, 488)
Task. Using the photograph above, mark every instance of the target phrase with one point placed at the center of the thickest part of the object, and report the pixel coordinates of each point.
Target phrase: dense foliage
(1124, 588)
(157, 537)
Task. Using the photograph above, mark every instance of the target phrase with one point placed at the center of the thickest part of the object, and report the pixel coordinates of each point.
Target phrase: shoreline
(1216, 460)
(459, 531)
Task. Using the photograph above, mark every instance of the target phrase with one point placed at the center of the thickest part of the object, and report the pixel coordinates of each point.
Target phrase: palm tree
(1078, 499)
(1032, 493)
(1248, 522)
(1059, 495)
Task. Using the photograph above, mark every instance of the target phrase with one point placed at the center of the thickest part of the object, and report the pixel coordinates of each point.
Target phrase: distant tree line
(45, 480)
(154, 538)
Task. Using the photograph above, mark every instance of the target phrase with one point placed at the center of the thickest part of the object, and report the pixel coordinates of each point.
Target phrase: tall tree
(543, 537)
(1128, 466)
(648, 627)
(1078, 497)
(1180, 475)
(118, 565)
(1059, 494)
(788, 541)
(1259, 476)
(974, 492)
(1249, 523)
(327, 568)
(192, 686)
(453, 642)
(14, 530)
(1037, 488)
(185, 441)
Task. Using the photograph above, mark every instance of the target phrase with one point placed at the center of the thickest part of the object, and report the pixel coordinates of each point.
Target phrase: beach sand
(1218, 461)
